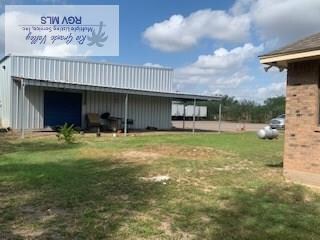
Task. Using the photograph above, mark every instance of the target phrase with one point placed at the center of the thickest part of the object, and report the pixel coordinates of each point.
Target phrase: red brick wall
(302, 134)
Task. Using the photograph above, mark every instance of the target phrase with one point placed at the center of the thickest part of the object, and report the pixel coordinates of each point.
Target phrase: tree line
(246, 110)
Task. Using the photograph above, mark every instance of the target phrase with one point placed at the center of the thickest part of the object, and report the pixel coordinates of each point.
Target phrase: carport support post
(22, 107)
(126, 116)
(194, 116)
(220, 108)
(184, 115)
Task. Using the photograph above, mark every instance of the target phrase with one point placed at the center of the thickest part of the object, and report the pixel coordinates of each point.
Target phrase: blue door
(61, 108)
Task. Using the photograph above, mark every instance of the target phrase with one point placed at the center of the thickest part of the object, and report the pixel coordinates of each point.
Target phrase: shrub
(66, 133)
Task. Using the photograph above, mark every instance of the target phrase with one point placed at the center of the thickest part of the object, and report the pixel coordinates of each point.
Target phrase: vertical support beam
(126, 116)
(220, 110)
(184, 115)
(194, 117)
(22, 107)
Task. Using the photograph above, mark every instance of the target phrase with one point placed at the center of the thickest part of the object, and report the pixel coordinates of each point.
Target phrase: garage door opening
(61, 108)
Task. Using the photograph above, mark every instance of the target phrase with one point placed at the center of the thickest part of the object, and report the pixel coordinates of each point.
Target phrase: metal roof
(86, 60)
(173, 95)
(41, 73)
(4, 58)
(89, 73)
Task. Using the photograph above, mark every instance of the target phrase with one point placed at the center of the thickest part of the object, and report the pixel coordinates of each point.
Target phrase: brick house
(302, 134)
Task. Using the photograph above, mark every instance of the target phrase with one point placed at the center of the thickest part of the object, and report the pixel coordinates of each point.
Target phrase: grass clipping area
(207, 186)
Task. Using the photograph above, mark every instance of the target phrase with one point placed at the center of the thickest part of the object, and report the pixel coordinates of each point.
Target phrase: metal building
(36, 92)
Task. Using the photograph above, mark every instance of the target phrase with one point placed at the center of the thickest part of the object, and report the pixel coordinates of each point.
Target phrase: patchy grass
(226, 186)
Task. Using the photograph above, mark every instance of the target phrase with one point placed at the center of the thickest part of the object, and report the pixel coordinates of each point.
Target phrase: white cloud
(225, 71)
(226, 68)
(241, 7)
(148, 64)
(276, 23)
(179, 32)
(222, 72)
(280, 22)
(272, 90)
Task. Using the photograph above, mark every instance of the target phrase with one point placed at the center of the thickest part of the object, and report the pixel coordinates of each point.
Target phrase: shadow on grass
(7, 146)
(268, 212)
(78, 199)
(275, 165)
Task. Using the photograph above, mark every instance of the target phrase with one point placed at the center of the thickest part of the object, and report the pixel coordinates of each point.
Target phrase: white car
(278, 122)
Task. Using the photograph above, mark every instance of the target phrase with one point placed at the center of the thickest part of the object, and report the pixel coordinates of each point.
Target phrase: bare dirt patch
(150, 153)
(28, 232)
(237, 166)
(188, 152)
(33, 218)
(95, 153)
(138, 155)
(166, 227)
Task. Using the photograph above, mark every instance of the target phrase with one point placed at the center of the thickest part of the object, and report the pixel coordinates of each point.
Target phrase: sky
(213, 46)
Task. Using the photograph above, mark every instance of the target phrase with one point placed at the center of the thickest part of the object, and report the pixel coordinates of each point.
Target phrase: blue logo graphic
(99, 38)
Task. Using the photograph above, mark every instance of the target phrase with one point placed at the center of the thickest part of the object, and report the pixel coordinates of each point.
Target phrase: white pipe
(220, 110)
(22, 107)
(194, 116)
(184, 115)
(126, 116)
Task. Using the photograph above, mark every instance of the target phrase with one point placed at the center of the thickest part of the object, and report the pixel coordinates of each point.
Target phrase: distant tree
(275, 106)
(246, 110)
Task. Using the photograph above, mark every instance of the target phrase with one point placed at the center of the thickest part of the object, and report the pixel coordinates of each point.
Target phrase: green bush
(66, 133)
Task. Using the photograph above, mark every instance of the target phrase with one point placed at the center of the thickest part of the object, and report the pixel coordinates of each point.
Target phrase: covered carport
(124, 93)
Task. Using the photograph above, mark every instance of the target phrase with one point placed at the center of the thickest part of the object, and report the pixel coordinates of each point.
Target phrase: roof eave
(172, 95)
(4, 58)
(84, 60)
(282, 60)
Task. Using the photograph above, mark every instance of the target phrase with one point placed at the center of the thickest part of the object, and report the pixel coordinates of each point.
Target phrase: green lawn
(226, 186)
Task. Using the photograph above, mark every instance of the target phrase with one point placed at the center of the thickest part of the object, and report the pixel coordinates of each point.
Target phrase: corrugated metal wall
(95, 74)
(33, 107)
(5, 93)
(144, 110)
